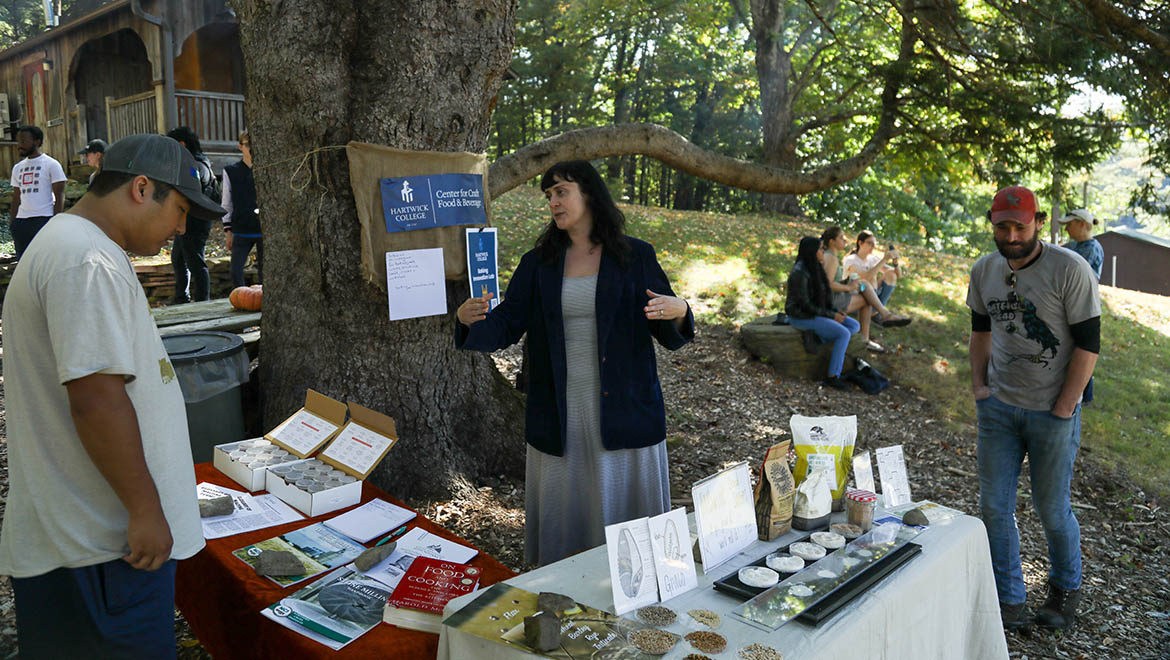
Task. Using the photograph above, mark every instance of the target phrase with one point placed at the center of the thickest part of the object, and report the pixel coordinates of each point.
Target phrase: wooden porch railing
(216, 118)
(130, 115)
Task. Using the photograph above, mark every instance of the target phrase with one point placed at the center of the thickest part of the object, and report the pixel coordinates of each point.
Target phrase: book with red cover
(429, 583)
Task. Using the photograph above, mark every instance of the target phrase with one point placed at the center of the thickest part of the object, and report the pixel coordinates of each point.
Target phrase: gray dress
(570, 499)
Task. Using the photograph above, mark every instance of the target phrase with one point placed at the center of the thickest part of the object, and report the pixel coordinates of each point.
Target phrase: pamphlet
(334, 610)
(358, 447)
(863, 472)
(724, 514)
(418, 542)
(390, 570)
(674, 564)
(416, 283)
(892, 472)
(317, 547)
(585, 635)
(482, 264)
(251, 512)
(369, 520)
(303, 432)
(631, 565)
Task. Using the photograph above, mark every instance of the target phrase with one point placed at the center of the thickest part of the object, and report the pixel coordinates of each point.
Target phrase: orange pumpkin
(246, 298)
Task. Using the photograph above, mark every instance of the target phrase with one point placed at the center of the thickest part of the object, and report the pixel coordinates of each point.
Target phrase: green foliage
(732, 269)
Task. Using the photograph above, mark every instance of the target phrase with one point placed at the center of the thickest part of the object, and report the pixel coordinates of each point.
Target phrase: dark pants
(109, 610)
(187, 255)
(241, 246)
(24, 229)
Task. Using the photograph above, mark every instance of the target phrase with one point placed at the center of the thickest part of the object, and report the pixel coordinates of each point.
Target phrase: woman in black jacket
(809, 306)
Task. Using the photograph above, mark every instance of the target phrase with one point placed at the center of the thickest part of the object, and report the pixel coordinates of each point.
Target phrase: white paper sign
(892, 472)
(863, 472)
(631, 565)
(303, 432)
(415, 283)
(418, 542)
(358, 447)
(724, 514)
(670, 541)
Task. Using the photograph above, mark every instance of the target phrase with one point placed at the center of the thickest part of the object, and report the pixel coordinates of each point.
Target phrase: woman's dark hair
(862, 237)
(107, 182)
(609, 223)
(830, 235)
(187, 136)
(807, 256)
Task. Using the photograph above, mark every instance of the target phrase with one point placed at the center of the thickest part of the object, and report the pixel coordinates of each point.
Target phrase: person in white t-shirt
(38, 188)
(882, 272)
(101, 499)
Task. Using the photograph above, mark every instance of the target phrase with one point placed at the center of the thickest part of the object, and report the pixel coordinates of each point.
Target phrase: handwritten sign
(670, 541)
(415, 284)
(725, 514)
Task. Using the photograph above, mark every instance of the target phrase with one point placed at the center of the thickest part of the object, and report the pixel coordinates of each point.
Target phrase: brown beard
(1018, 252)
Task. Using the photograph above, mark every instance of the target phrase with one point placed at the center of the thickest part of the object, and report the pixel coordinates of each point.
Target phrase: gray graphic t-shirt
(1030, 340)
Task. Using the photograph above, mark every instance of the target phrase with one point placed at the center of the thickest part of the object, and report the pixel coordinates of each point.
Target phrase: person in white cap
(102, 489)
(1079, 225)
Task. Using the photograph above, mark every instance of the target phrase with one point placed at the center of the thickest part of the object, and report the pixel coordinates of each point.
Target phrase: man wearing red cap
(1035, 334)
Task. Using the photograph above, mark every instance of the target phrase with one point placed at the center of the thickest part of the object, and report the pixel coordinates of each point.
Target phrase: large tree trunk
(409, 74)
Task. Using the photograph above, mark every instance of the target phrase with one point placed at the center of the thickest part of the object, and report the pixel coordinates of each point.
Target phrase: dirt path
(723, 406)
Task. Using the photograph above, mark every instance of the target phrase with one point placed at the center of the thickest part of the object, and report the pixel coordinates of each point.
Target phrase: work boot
(1060, 610)
(1014, 617)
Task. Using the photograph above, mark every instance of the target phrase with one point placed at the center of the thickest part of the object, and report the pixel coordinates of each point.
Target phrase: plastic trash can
(210, 366)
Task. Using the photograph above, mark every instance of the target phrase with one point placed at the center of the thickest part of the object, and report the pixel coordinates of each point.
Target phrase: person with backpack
(187, 252)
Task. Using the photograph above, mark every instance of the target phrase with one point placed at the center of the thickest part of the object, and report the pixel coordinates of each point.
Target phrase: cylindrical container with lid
(859, 506)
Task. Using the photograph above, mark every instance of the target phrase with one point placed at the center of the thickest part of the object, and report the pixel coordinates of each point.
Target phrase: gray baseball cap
(163, 159)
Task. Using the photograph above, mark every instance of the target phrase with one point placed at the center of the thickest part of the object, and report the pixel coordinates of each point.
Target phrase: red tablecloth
(221, 597)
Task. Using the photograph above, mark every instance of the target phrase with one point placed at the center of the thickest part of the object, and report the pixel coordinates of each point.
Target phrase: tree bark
(412, 75)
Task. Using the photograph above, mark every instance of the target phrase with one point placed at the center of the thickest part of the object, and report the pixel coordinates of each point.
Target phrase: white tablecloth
(940, 605)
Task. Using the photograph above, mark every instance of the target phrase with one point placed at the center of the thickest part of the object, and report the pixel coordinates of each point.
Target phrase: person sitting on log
(854, 296)
(808, 306)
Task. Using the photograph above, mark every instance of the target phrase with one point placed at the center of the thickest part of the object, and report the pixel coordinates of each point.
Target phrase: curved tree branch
(1109, 14)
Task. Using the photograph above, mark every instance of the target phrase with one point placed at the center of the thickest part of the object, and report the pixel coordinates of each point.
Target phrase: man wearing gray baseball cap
(102, 488)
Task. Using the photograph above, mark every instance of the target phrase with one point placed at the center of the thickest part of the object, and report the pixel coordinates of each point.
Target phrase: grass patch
(732, 269)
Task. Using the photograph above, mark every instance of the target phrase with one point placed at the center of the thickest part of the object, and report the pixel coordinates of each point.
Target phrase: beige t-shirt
(74, 308)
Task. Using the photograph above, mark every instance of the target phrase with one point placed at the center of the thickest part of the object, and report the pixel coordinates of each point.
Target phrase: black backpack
(870, 380)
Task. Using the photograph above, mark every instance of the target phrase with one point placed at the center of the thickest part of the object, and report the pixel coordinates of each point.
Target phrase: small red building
(1136, 260)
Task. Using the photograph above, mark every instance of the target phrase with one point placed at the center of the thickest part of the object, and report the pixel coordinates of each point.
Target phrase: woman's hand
(473, 309)
(839, 317)
(664, 308)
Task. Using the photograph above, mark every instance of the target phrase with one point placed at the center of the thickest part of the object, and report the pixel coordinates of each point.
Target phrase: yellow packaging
(824, 442)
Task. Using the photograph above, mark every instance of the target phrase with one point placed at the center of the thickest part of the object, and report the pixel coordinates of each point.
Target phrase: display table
(942, 604)
(221, 597)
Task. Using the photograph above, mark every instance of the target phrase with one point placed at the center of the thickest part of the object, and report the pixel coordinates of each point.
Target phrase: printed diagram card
(674, 564)
(724, 514)
(359, 448)
(415, 283)
(303, 432)
(892, 472)
(483, 264)
(631, 565)
(863, 472)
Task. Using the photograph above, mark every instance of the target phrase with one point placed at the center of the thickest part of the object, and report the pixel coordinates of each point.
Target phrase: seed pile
(652, 641)
(707, 641)
(696, 656)
(258, 453)
(657, 615)
(707, 618)
(312, 476)
(759, 652)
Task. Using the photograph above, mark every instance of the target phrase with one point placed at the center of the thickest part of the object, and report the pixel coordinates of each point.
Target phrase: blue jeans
(109, 610)
(1006, 434)
(884, 291)
(829, 330)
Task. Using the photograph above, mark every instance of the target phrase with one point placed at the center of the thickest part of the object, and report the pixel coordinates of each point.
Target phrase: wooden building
(1136, 260)
(124, 67)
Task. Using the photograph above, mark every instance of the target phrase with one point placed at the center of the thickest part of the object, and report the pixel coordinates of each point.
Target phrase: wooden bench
(783, 347)
(209, 315)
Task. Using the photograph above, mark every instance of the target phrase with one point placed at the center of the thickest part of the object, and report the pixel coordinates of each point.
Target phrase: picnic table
(209, 315)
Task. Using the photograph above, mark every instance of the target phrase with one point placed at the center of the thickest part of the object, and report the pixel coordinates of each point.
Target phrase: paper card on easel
(631, 565)
(725, 514)
(674, 564)
(892, 472)
(863, 472)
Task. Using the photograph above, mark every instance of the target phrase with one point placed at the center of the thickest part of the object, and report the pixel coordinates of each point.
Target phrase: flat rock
(216, 506)
(548, 601)
(278, 563)
(542, 632)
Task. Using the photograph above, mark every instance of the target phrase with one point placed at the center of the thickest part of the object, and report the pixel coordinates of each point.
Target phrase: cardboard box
(302, 434)
(252, 479)
(314, 504)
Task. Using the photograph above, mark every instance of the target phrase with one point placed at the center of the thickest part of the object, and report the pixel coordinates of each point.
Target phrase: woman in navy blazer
(590, 299)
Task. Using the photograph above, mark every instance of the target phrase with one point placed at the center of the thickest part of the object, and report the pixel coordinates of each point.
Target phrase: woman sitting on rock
(856, 295)
(809, 307)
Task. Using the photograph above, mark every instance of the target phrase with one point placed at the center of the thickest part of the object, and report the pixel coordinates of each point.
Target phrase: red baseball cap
(1015, 203)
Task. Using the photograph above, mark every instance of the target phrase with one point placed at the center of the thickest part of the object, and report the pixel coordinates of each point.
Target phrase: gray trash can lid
(210, 345)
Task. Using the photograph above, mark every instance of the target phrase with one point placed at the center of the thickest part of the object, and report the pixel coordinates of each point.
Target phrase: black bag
(812, 342)
(781, 319)
(870, 380)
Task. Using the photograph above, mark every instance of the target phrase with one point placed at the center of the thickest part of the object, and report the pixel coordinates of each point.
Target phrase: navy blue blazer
(632, 411)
